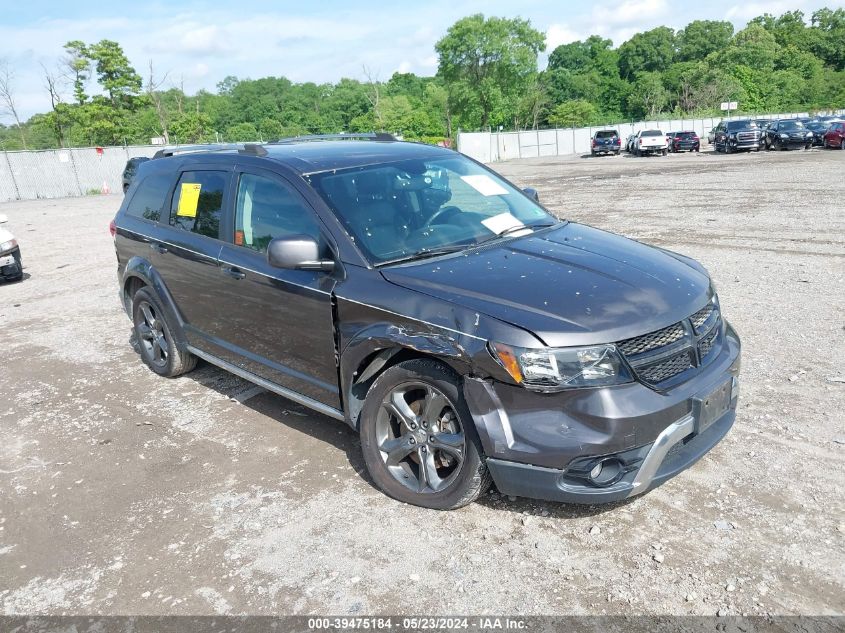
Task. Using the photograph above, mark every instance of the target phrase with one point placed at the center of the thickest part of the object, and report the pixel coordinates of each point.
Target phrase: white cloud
(558, 34)
(745, 12)
(628, 11)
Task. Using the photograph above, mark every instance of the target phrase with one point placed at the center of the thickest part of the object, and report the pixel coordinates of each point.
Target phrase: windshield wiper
(514, 229)
(426, 253)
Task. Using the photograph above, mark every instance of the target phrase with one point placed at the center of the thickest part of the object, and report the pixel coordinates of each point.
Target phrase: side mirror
(297, 252)
(532, 193)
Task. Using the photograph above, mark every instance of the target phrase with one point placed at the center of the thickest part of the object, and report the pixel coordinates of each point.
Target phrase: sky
(196, 44)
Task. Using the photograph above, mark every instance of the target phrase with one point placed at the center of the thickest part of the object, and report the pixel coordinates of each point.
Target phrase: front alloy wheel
(418, 437)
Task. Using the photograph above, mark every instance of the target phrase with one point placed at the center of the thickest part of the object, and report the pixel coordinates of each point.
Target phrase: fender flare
(380, 345)
(140, 268)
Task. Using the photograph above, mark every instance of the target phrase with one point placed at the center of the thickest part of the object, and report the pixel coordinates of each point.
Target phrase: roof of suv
(308, 157)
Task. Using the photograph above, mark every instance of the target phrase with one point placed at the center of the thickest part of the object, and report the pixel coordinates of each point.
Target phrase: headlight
(9, 245)
(552, 369)
(784, 135)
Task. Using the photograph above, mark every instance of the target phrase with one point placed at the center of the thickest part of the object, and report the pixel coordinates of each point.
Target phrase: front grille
(653, 340)
(660, 356)
(746, 136)
(706, 344)
(665, 369)
(700, 318)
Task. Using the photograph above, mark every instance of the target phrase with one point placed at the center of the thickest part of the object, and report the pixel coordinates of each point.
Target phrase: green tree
(650, 51)
(78, 64)
(487, 61)
(114, 73)
(702, 37)
(829, 41)
(575, 113)
(648, 95)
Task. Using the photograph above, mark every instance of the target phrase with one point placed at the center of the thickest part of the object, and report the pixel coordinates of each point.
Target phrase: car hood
(5, 235)
(571, 285)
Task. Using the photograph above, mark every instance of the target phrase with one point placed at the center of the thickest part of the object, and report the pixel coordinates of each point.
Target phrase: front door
(278, 323)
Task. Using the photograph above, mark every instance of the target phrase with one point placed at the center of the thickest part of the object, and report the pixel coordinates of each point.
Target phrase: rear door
(279, 323)
(188, 246)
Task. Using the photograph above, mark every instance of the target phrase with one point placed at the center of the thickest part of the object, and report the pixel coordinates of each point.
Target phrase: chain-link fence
(57, 173)
(489, 147)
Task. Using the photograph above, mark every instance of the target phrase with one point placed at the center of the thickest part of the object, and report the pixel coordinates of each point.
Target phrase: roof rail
(194, 149)
(367, 136)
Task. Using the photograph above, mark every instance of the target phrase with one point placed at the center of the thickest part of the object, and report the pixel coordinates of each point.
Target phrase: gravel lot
(125, 493)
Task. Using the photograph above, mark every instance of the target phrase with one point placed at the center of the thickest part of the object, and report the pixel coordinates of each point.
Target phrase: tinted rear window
(652, 133)
(606, 134)
(149, 197)
(685, 134)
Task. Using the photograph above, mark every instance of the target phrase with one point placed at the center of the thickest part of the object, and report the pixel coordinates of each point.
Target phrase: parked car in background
(732, 136)
(835, 135)
(560, 361)
(629, 142)
(788, 134)
(818, 128)
(11, 268)
(606, 142)
(649, 142)
(131, 169)
(684, 141)
(711, 136)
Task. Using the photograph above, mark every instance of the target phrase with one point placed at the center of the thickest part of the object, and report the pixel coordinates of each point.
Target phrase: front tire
(419, 440)
(155, 339)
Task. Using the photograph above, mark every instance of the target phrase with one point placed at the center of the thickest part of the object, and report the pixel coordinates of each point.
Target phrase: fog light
(606, 472)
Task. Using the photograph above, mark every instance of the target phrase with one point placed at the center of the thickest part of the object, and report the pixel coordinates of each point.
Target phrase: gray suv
(462, 330)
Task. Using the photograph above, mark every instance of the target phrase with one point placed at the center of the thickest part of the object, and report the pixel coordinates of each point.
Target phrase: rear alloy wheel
(418, 438)
(154, 337)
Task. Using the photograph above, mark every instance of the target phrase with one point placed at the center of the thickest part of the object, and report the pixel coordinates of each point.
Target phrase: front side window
(149, 197)
(401, 210)
(198, 202)
(267, 209)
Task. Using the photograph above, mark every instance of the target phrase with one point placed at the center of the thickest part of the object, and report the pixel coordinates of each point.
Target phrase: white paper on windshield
(485, 185)
(502, 222)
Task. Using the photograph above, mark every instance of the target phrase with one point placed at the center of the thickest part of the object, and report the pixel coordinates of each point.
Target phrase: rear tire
(155, 339)
(842, 145)
(665, 152)
(419, 440)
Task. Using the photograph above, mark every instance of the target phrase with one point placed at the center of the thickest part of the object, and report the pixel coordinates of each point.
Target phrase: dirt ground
(125, 493)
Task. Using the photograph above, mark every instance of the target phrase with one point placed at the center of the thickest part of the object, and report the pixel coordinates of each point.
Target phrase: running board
(305, 401)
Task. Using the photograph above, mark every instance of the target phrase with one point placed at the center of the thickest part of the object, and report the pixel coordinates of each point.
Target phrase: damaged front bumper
(545, 446)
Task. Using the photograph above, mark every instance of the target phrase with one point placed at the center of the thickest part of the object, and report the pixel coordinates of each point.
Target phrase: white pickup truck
(649, 142)
(10, 254)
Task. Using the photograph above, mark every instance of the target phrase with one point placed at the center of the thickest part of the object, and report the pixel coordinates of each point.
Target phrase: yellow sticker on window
(189, 198)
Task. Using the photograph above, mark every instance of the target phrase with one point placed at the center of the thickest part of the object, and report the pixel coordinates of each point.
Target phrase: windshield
(742, 125)
(816, 126)
(401, 210)
(791, 125)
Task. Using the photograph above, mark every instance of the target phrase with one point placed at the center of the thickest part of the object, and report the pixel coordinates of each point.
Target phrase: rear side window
(267, 209)
(198, 202)
(149, 197)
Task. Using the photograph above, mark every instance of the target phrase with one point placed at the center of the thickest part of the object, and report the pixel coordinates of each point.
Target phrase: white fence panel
(478, 145)
(547, 143)
(528, 145)
(508, 145)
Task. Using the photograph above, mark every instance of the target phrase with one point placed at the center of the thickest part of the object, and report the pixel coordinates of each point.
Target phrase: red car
(835, 135)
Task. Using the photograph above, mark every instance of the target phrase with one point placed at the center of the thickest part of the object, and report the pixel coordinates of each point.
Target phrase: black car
(788, 134)
(684, 141)
(818, 128)
(131, 169)
(606, 142)
(465, 332)
(732, 136)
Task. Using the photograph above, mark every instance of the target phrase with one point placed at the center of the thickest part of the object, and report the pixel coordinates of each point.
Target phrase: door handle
(234, 273)
(158, 248)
